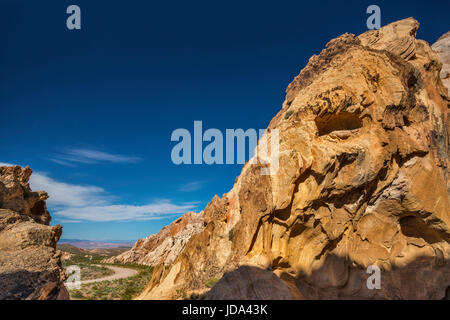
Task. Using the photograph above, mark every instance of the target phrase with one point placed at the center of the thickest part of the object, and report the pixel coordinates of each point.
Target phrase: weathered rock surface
(164, 246)
(30, 266)
(442, 48)
(362, 180)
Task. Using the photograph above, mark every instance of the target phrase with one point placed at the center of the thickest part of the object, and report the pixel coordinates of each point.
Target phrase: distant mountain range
(105, 244)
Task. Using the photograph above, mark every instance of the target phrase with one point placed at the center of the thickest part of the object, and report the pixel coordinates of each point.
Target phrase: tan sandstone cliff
(166, 245)
(362, 180)
(442, 48)
(30, 266)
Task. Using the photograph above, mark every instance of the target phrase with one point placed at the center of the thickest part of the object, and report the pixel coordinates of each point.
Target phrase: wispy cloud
(72, 203)
(4, 164)
(62, 162)
(191, 186)
(70, 157)
(152, 211)
(68, 221)
(68, 195)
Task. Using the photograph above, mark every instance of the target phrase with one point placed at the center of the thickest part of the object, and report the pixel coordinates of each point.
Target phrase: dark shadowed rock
(250, 283)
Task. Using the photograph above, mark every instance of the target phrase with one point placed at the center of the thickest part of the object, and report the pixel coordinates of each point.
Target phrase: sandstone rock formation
(30, 266)
(164, 246)
(442, 48)
(362, 180)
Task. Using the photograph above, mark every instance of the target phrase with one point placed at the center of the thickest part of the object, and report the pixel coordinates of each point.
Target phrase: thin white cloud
(191, 186)
(4, 164)
(88, 156)
(64, 163)
(75, 203)
(68, 221)
(69, 195)
(71, 203)
(152, 211)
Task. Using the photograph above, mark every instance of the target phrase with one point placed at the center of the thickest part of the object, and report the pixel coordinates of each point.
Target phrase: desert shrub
(231, 234)
(288, 114)
(211, 282)
(129, 292)
(77, 294)
(124, 289)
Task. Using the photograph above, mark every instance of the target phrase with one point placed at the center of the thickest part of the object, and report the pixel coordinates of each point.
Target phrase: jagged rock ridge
(362, 180)
(30, 266)
(164, 246)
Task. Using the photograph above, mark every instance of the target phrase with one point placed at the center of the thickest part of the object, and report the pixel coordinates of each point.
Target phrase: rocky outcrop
(16, 195)
(442, 48)
(30, 266)
(164, 246)
(362, 181)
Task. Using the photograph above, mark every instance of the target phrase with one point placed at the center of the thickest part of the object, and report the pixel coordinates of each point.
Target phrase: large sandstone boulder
(164, 246)
(30, 266)
(362, 181)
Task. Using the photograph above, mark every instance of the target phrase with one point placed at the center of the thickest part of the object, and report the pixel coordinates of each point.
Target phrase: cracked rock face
(164, 246)
(442, 48)
(30, 266)
(362, 180)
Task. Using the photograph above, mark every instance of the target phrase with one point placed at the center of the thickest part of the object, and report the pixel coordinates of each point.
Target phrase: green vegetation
(120, 289)
(231, 234)
(211, 282)
(94, 272)
(84, 256)
(76, 294)
(91, 268)
(288, 114)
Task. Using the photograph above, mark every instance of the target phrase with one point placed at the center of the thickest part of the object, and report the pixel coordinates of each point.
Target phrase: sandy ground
(119, 273)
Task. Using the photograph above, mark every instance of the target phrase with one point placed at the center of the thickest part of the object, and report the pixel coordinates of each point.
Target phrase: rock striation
(362, 182)
(165, 246)
(30, 266)
(442, 48)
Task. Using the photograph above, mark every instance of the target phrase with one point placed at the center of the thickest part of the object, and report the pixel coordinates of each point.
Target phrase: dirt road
(119, 273)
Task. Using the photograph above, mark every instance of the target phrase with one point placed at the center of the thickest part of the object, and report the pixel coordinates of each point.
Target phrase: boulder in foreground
(30, 266)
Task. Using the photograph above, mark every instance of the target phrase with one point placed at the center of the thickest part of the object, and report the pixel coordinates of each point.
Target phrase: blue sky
(92, 110)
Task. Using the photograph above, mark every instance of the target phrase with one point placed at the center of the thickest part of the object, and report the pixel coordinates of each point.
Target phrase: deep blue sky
(136, 71)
